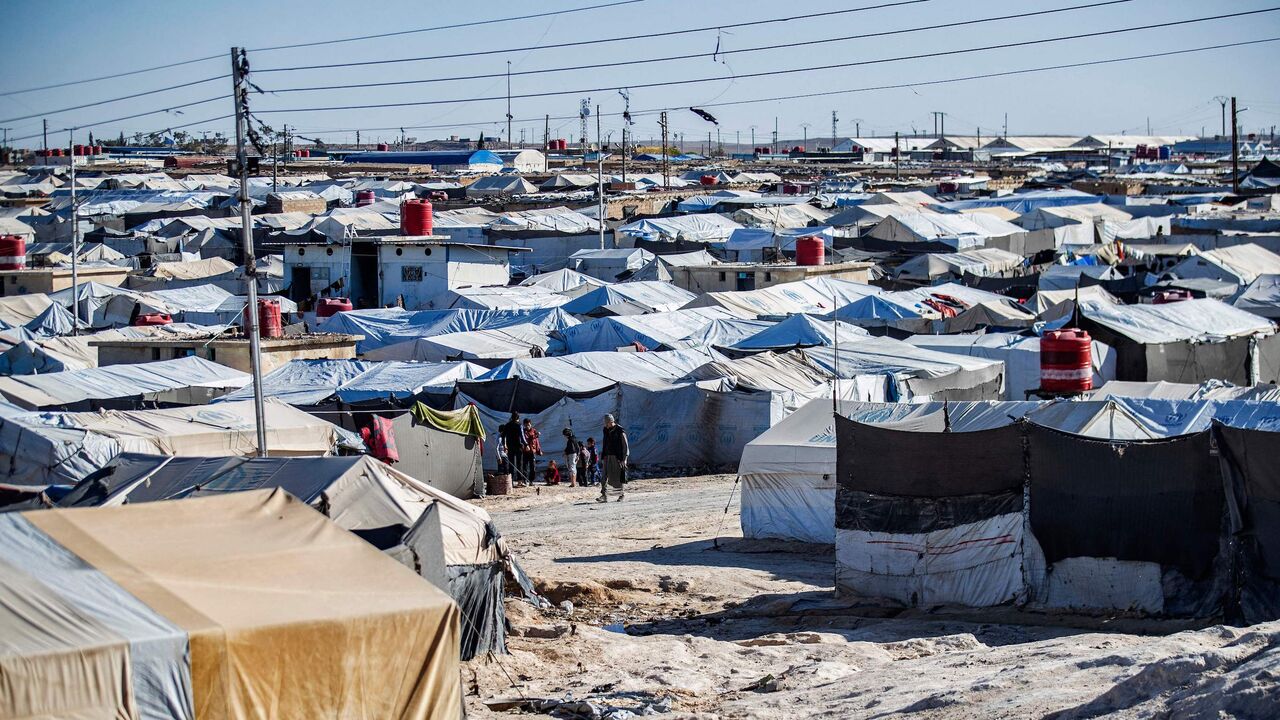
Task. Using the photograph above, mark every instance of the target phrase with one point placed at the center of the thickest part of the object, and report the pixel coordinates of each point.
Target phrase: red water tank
(708, 180)
(329, 307)
(152, 319)
(810, 251)
(383, 147)
(1164, 297)
(13, 252)
(562, 144)
(798, 149)
(98, 150)
(1066, 361)
(269, 322)
(365, 197)
(415, 217)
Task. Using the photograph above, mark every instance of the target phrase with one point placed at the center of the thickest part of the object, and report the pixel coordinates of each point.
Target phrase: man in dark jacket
(513, 442)
(614, 453)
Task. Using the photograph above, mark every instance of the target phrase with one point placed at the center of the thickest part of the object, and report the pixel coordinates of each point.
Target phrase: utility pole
(357, 139)
(6, 137)
(805, 128)
(1223, 100)
(775, 135)
(662, 123)
(600, 175)
(275, 174)
(45, 134)
(737, 140)
(708, 152)
(1235, 150)
(897, 157)
(857, 129)
(521, 138)
(508, 103)
(1006, 126)
(75, 238)
(834, 120)
(546, 133)
(753, 138)
(240, 68)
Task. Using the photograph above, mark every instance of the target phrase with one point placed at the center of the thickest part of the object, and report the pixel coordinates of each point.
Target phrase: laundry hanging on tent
(381, 439)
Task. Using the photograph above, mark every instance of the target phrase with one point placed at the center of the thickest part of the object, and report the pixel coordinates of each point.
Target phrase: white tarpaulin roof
(816, 295)
(118, 381)
(654, 330)
(1198, 320)
(701, 228)
(63, 448)
(655, 295)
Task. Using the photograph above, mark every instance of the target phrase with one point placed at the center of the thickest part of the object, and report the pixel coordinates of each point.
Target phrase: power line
(192, 61)
(671, 58)
(580, 43)
(117, 99)
(475, 23)
(776, 98)
(171, 108)
(829, 93)
(110, 77)
(771, 73)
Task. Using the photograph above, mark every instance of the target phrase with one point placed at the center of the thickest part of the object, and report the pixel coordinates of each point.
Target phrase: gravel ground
(670, 605)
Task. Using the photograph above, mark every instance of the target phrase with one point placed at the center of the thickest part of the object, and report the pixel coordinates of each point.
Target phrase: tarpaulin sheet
(327, 627)
(890, 462)
(654, 295)
(682, 426)
(305, 382)
(654, 331)
(159, 670)
(977, 564)
(383, 327)
(400, 380)
(1250, 459)
(800, 331)
(119, 381)
(1156, 501)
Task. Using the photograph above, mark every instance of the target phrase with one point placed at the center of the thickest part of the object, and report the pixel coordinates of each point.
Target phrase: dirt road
(750, 629)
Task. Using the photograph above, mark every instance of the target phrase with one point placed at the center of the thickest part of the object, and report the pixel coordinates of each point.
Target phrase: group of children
(519, 445)
(581, 463)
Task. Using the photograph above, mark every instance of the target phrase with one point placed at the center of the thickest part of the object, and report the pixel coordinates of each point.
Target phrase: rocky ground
(661, 604)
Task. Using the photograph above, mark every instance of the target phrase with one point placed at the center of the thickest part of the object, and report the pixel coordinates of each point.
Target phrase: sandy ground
(753, 630)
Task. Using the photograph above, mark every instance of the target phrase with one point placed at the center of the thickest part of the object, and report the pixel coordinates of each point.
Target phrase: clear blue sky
(1175, 93)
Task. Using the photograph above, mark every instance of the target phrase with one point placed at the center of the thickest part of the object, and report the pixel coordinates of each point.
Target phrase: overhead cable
(580, 43)
(773, 73)
(670, 58)
(829, 93)
(47, 113)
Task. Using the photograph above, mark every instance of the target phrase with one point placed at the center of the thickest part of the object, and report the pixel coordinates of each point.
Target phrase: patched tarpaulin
(929, 517)
(1251, 459)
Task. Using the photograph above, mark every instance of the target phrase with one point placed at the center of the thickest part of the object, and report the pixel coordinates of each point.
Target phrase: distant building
(49, 280)
(475, 161)
(228, 350)
(387, 270)
(723, 277)
(523, 160)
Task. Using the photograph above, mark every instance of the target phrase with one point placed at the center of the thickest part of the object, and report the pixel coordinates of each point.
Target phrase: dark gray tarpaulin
(1154, 501)
(1251, 460)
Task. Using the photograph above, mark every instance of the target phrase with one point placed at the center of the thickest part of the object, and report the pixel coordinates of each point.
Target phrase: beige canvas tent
(242, 605)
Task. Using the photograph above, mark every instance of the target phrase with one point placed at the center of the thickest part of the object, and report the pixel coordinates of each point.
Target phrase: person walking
(592, 458)
(513, 444)
(614, 453)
